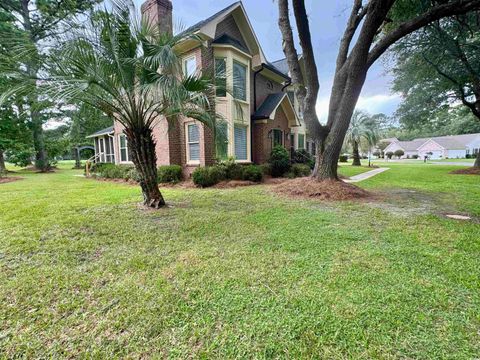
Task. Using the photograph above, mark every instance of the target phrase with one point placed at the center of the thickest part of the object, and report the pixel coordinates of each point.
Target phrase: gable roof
(200, 24)
(270, 105)
(208, 26)
(409, 145)
(106, 131)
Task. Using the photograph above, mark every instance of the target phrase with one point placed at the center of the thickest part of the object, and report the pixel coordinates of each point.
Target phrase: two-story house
(257, 115)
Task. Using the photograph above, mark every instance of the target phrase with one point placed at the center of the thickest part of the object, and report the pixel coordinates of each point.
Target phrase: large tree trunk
(3, 169)
(142, 152)
(356, 155)
(477, 161)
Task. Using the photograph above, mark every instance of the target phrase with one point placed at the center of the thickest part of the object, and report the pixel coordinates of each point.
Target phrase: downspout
(287, 84)
(254, 106)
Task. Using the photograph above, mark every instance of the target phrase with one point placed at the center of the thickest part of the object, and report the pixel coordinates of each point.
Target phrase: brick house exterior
(263, 112)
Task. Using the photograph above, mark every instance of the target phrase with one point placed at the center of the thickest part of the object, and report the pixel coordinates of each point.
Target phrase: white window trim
(188, 142)
(128, 161)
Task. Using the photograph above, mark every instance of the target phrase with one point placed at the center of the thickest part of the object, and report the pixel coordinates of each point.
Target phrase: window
(240, 134)
(301, 141)
(221, 140)
(239, 81)
(277, 137)
(221, 77)
(292, 141)
(193, 143)
(190, 66)
(123, 145)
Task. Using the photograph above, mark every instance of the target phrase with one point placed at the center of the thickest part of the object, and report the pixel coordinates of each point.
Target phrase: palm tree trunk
(142, 152)
(3, 169)
(356, 155)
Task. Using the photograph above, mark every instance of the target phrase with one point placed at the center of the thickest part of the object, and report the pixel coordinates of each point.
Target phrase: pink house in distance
(441, 147)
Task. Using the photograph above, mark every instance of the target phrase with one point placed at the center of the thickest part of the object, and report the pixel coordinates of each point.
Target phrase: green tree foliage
(119, 65)
(438, 67)
(362, 127)
(29, 31)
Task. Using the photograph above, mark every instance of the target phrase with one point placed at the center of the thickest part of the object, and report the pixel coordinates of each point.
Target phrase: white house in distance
(441, 147)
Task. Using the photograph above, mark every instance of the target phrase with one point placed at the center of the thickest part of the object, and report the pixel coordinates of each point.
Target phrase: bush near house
(389, 154)
(414, 156)
(279, 161)
(300, 170)
(252, 173)
(303, 157)
(343, 158)
(169, 174)
(399, 153)
(208, 175)
(233, 170)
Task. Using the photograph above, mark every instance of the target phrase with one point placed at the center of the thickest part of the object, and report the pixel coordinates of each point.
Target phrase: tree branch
(356, 16)
(451, 8)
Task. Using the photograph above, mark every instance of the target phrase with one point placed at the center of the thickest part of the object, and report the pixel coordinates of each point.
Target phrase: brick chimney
(159, 12)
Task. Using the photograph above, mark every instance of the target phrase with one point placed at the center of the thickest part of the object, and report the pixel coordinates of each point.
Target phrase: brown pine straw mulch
(468, 171)
(331, 190)
(4, 180)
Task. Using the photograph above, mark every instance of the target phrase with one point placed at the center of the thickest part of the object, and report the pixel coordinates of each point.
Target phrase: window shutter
(240, 133)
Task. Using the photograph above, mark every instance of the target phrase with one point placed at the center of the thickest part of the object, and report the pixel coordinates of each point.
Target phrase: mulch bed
(5, 180)
(469, 171)
(309, 188)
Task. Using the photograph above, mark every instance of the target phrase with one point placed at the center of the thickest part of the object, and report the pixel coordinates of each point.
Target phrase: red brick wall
(262, 144)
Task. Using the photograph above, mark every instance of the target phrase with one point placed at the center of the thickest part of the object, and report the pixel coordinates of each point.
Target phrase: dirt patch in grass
(5, 180)
(331, 190)
(468, 171)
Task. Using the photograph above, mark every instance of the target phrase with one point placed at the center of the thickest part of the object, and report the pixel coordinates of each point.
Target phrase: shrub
(300, 170)
(208, 176)
(252, 173)
(279, 161)
(266, 169)
(343, 158)
(131, 174)
(169, 174)
(377, 153)
(301, 157)
(233, 170)
(389, 154)
(414, 156)
(399, 153)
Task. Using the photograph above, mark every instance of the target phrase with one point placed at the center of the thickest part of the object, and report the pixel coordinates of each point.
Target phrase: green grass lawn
(240, 273)
(348, 170)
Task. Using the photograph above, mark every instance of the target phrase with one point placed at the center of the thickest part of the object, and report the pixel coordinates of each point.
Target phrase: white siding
(454, 154)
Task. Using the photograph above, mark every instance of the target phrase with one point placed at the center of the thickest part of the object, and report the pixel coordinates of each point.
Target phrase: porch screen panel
(240, 133)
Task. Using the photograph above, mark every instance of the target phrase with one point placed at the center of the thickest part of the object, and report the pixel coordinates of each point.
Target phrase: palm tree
(133, 73)
(362, 126)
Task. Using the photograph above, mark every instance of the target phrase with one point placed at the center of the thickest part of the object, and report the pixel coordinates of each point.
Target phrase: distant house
(441, 147)
(270, 113)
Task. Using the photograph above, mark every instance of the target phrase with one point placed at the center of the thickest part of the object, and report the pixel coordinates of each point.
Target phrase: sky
(327, 22)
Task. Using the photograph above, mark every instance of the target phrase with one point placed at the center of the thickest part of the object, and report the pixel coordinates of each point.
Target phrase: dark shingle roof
(102, 132)
(281, 65)
(268, 106)
(199, 24)
(228, 40)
